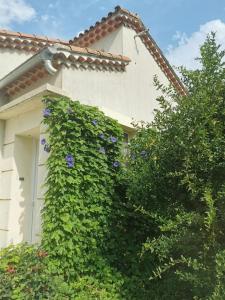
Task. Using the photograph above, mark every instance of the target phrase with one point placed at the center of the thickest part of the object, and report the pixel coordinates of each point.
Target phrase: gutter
(45, 57)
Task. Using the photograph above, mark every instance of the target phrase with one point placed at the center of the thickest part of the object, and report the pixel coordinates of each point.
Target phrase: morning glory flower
(70, 160)
(94, 122)
(47, 148)
(113, 139)
(116, 164)
(46, 112)
(102, 136)
(70, 164)
(102, 150)
(43, 141)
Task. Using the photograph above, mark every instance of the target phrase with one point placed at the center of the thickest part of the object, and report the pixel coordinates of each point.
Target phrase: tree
(176, 177)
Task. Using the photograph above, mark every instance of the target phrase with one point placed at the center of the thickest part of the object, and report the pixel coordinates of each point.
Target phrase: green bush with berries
(25, 274)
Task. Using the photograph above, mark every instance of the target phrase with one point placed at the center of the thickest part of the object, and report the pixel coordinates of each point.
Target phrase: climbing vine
(84, 158)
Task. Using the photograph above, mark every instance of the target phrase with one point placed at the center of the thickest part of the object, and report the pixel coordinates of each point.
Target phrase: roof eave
(43, 57)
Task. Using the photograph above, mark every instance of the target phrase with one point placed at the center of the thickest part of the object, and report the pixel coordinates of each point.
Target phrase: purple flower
(102, 150)
(70, 164)
(46, 112)
(143, 153)
(43, 141)
(94, 122)
(47, 148)
(70, 160)
(116, 164)
(113, 139)
(102, 136)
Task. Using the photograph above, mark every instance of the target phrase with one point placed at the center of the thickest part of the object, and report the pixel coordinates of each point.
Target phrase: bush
(176, 178)
(24, 274)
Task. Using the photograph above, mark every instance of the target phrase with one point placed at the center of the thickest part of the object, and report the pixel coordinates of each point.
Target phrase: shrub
(176, 178)
(24, 274)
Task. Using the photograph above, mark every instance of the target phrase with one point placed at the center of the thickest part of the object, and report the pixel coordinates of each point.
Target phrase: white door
(34, 205)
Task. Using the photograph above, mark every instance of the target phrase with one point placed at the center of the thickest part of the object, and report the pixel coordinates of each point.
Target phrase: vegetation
(150, 226)
(24, 274)
(176, 179)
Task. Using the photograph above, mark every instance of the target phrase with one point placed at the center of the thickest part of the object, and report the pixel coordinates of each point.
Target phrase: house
(111, 65)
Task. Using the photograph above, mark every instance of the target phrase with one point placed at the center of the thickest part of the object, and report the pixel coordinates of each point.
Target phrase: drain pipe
(49, 67)
(141, 33)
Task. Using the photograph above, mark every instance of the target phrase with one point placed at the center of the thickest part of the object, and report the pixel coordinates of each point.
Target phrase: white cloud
(45, 18)
(187, 48)
(15, 11)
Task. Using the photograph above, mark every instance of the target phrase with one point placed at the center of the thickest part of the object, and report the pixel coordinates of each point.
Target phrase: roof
(27, 42)
(49, 60)
(114, 20)
(119, 17)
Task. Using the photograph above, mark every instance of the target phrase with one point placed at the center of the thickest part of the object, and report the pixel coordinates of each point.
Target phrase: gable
(143, 66)
(111, 25)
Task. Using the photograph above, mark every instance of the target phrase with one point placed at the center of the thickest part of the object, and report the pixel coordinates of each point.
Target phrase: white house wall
(130, 93)
(11, 58)
(112, 42)
(16, 164)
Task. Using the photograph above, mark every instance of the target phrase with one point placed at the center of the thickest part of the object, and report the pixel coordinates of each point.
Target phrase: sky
(178, 26)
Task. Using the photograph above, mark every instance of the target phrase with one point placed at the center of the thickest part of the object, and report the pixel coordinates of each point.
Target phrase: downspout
(49, 67)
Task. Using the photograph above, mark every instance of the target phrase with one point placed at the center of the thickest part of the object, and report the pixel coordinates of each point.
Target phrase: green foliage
(79, 192)
(84, 151)
(83, 164)
(90, 288)
(24, 274)
(152, 228)
(176, 178)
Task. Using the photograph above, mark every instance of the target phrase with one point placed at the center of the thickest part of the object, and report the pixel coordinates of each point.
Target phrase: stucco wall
(130, 93)
(17, 179)
(10, 59)
(113, 42)
(3, 202)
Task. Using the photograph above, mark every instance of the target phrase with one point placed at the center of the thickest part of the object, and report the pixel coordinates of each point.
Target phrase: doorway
(26, 160)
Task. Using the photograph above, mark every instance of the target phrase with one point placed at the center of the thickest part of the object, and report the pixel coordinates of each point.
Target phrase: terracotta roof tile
(97, 53)
(69, 55)
(81, 44)
(31, 37)
(34, 43)
(120, 17)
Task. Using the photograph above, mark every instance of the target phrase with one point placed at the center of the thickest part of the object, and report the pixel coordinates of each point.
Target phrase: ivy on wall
(84, 147)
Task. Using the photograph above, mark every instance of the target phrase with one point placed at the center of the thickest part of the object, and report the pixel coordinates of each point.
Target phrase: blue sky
(174, 24)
